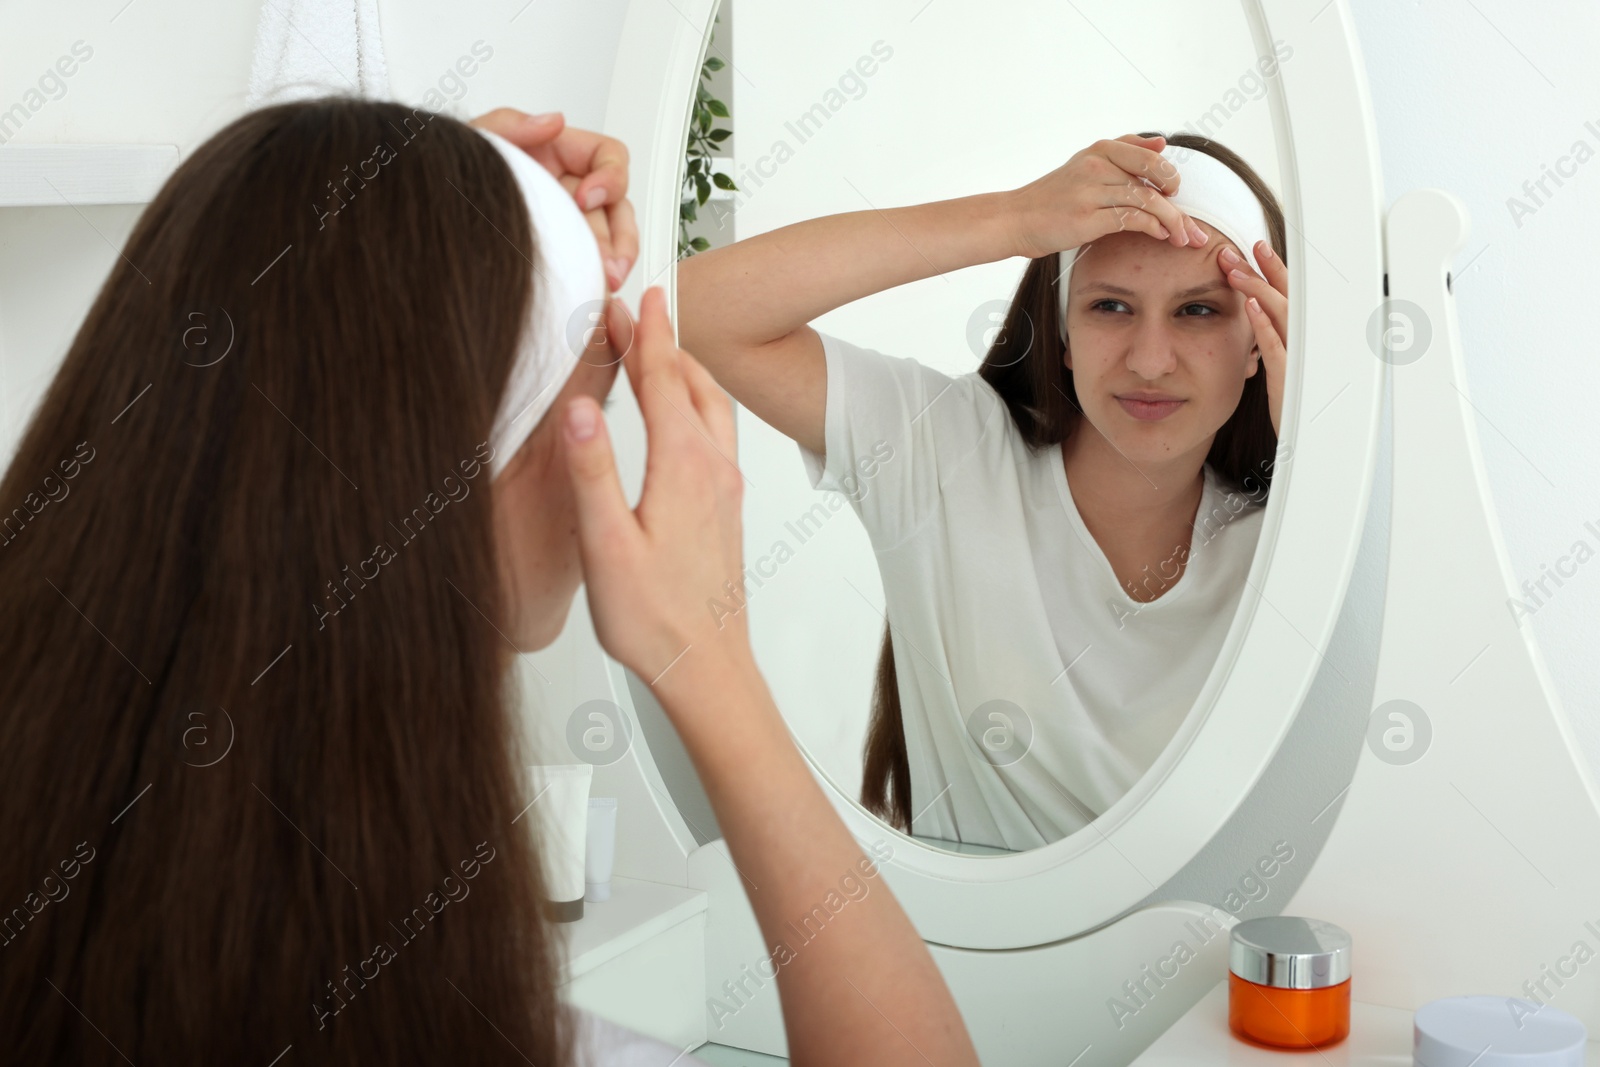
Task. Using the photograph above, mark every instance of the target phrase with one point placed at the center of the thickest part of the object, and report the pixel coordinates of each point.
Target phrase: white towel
(308, 48)
(569, 302)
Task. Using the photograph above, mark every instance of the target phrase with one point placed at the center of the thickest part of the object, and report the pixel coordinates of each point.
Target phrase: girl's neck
(1140, 513)
(1122, 492)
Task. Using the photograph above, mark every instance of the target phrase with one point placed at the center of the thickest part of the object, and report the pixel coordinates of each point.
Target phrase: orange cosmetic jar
(1289, 982)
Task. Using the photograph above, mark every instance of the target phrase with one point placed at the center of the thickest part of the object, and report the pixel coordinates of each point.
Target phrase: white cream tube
(561, 799)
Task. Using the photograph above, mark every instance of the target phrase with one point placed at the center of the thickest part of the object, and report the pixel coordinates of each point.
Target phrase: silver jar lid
(1289, 953)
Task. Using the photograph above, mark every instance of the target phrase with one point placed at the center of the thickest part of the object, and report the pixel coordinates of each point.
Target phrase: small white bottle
(602, 848)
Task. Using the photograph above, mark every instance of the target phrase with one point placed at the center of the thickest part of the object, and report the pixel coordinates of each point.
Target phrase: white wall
(175, 71)
(1479, 98)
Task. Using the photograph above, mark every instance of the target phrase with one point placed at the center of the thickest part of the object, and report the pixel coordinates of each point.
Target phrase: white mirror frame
(1314, 517)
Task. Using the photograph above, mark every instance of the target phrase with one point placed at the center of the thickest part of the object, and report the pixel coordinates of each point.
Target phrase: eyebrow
(1197, 290)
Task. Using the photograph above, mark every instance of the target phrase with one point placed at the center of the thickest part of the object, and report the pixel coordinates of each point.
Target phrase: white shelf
(637, 911)
(639, 960)
(56, 175)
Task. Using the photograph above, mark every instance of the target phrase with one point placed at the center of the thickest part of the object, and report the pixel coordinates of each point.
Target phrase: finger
(1141, 162)
(1230, 259)
(1178, 224)
(601, 161)
(1273, 268)
(632, 357)
(602, 222)
(1268, 338)
(1255, 287)
(601, 227)
(1155, 142)
(716, 411)
(1120, 217)
(520, 128)
(624, 237)
(713, 403)
(663, 394)
(1148, 168)
(606, 525)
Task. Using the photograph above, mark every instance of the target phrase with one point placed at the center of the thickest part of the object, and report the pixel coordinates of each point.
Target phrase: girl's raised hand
(665, 580)
(1110, 186)
(590, 166)
(1267, 305)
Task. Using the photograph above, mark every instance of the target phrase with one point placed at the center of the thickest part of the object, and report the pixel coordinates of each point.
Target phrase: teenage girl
(343, 876)
(1063, 534)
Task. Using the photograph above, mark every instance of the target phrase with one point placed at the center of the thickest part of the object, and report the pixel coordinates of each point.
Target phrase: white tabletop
(1379, 1037)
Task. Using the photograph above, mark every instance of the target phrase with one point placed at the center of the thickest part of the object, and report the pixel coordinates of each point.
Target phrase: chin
(1146, 443)
(541, 630)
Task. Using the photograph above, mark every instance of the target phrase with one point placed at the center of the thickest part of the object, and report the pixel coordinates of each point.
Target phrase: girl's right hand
(1102, 190)
(590, 166)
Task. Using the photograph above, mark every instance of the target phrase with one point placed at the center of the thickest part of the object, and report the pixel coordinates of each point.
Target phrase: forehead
(1137, 261)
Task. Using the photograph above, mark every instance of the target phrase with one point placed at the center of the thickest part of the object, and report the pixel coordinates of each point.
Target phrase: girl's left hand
(1267, 305)
(590, 166)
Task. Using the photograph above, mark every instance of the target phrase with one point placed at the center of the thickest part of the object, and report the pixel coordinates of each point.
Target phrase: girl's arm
(863, 988)
(743, 309)
(856, 982)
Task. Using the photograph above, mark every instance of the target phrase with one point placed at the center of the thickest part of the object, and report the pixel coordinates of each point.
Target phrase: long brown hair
(1026, 366)
(259, 766)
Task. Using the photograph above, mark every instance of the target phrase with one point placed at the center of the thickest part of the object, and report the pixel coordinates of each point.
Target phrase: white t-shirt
(1006, 612)
(601, 1043)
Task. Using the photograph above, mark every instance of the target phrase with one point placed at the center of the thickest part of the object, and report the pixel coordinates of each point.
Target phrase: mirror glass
(1049, 635)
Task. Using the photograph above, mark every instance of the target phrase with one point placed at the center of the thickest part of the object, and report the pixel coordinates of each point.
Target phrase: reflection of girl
(1064, 534)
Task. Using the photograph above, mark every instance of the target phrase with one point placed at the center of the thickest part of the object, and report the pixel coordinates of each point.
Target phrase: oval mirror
(1048, 645)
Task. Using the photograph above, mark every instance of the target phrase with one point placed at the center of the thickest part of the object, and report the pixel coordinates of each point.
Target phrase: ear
(1255, 362)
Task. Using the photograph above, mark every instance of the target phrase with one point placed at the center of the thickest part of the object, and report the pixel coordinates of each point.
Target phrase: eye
(1192, 311)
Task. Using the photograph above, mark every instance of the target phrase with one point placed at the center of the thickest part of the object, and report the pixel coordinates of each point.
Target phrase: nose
(1152, 351)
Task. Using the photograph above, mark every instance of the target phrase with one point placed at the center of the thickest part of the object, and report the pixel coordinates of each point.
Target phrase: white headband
(1208, 190)
(570, 290)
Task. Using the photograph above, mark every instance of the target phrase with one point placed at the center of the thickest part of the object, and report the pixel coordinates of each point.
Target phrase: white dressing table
(1379, 1037)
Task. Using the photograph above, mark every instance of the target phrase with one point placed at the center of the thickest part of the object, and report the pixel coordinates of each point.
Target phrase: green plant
(698, 177)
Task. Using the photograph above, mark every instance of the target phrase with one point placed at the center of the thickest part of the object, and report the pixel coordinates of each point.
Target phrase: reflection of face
(536, 521)
(1145, 319)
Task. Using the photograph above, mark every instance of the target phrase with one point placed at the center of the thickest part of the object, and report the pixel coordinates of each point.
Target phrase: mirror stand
(1463, 859)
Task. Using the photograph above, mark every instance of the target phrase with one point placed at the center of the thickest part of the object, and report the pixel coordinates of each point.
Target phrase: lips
(1149, 410)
